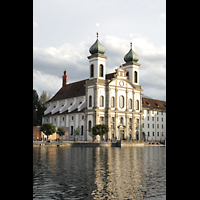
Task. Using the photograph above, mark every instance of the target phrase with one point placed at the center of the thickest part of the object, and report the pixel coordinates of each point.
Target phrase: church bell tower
(132, 66)
(97, 60)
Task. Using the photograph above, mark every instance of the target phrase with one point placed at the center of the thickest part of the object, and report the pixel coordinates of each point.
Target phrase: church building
(114, 99)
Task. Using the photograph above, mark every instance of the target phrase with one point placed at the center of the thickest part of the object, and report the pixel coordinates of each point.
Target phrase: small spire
(131, 45)
(97, 34)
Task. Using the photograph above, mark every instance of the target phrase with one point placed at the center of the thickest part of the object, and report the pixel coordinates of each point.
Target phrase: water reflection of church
(119, 173)
(114, 99)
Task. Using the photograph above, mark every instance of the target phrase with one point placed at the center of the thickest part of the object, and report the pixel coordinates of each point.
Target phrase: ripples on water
(99, 173)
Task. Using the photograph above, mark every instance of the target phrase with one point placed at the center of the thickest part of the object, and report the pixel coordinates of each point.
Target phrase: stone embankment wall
(118, 143)
(131, 143)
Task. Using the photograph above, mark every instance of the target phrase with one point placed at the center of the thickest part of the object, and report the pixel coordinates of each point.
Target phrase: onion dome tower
(97, 48)
(97, 60)
(131, 56)
(132, 66)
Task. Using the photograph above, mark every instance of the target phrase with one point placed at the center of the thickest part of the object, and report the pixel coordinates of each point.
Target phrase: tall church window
(101, 101)
(72, 130)
(130, 103)
(101, 70)
(121, 101)
(127, 74)
(137, 105)
(113, 102)
(122, 120)
(90, 101)
(135, 76)
(91, 71)
(89, 125)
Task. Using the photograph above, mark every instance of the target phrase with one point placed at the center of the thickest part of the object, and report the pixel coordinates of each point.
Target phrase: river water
(99, 173)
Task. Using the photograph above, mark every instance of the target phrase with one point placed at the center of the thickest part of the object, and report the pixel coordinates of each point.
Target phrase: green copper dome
(97, 48)
(131, 56)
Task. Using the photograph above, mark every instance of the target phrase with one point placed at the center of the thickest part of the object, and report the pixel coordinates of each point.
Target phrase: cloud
(49, 83)
(49, 63)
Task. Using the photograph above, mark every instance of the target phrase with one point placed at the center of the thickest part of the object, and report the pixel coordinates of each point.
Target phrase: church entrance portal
(121, 134)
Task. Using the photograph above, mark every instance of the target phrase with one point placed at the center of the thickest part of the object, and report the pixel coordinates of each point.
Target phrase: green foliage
(77, 131)
(48, 129)
(39, 107)
(99, 129)
(60, 131)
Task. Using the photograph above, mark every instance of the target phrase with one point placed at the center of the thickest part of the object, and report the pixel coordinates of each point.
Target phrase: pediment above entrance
(120, 82)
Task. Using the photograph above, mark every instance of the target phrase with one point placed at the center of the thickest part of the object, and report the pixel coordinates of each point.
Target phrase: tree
(61, 132)
(100, 129)
(38, 107)
(48, 129)
(77, 131)
(35, 108)
(43, 98)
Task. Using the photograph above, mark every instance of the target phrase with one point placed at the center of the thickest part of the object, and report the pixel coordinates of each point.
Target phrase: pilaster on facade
(126, 122)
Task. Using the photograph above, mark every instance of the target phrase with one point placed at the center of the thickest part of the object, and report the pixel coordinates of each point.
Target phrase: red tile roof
(69, 91)
(153, 104)
(74, 89)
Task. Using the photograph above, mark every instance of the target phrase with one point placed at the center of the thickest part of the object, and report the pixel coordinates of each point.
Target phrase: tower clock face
(121, 83)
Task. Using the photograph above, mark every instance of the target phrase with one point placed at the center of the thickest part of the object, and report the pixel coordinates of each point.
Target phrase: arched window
(135, 76)
(72, 130)
(130, 103)
(122, 120)
(91, 71)
(112, 102)
(127, 74)
(121, 101)
(101, 70)
(90, 101)
(101, 101)
(137, 105)
(89, 125)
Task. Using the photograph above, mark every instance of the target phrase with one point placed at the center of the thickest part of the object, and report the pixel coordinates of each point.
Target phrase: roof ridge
(154, 99)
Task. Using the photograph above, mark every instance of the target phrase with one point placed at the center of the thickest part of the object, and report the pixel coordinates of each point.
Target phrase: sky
(64, 30)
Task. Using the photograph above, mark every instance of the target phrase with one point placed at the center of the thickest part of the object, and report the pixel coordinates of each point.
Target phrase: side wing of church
(114, 99)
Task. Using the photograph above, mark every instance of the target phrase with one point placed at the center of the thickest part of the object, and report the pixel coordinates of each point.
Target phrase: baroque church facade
(114, 99)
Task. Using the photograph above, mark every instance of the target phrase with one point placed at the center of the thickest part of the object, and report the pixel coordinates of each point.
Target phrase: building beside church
(114, 99)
